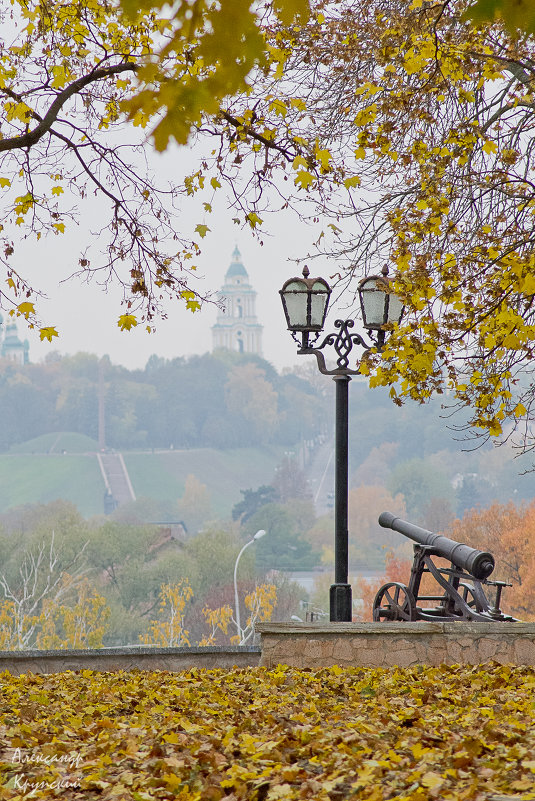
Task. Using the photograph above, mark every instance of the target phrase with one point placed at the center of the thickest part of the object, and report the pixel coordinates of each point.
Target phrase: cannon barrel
(479, 564)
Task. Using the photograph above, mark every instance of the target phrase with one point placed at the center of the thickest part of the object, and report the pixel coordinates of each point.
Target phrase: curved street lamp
(305, 302)
(256, 537)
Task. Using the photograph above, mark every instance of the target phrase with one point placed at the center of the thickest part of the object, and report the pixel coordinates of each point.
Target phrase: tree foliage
(76, 81)
(171, 630)
(507, 532)
(201, 401)
(403, 131)
(400, 128)
(514, 13)
(33, 593)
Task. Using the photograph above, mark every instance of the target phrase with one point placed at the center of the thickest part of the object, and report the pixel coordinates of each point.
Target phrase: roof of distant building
(236, 266)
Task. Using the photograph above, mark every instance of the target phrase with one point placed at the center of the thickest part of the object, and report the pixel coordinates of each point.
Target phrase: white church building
(237, 327)
(11, 347)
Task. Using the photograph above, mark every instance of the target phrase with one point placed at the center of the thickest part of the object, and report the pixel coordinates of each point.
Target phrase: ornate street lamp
(305, 302)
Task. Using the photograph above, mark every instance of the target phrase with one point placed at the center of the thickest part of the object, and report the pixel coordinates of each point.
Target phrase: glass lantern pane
(295, 286)
(317, 308)
(373, 301)
(395, 308)
(296, 307)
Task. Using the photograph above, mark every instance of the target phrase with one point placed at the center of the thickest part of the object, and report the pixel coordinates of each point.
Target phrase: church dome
(236, 268)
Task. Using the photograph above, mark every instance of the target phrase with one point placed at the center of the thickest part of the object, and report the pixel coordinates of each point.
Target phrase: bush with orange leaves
(508, 532)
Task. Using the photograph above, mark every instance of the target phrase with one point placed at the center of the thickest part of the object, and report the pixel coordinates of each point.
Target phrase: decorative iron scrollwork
(343, 342)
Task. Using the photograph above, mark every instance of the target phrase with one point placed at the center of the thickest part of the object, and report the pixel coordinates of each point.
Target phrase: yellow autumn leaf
(26, 309)
(48, 332)
(253, 219)
(432, 780)
(127, 322)
(490, 147)
(304, 179)
(202, 230)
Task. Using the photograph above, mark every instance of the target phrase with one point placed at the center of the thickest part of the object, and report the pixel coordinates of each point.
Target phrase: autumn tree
(250, 395)
(260, 604)
(170, 628)
(42, 580)
(82, 623)
(82, 83)
(402, 130)
(194, 504)
(171, 631)
(508, 533)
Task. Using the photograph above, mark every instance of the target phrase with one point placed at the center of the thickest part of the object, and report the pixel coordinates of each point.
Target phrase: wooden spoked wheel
(394, 601)
(466, 592)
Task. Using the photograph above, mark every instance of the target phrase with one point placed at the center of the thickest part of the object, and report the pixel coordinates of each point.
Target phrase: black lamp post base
(340, 603)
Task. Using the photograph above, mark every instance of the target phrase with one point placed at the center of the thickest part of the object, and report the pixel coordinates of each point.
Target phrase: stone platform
(389, 644)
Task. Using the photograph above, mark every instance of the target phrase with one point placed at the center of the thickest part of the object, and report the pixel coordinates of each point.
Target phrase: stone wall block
(487, 648)
(343, 650)
(437, 654)
(421, 650)
(524, 652)
(316, 648)
(400, 658)
(369, 657)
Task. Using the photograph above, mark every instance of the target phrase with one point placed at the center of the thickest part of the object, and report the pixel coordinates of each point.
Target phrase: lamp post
(305, 301)
(256, 537)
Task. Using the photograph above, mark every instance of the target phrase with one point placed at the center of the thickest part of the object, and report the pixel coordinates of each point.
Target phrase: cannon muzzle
(479, 564)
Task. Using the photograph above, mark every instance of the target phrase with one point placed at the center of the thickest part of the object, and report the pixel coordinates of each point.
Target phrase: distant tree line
(221, 400)
(228, 400)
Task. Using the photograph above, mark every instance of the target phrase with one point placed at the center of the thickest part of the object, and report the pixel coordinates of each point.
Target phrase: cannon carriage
(464, 585)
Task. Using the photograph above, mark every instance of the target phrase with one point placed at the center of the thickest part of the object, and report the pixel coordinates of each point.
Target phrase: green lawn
(38, 478)
(162, 475)
(35, 476)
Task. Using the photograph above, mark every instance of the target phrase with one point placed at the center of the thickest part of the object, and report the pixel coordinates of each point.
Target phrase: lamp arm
(236, 599)
(343, 342)
(322, 367)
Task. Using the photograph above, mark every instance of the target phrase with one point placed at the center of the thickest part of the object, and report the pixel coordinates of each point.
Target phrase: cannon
(463, 595)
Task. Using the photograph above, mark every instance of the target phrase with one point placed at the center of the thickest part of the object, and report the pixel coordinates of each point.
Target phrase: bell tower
(237, 327)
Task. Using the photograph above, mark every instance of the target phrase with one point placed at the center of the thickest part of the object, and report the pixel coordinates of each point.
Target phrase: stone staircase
(119, 488)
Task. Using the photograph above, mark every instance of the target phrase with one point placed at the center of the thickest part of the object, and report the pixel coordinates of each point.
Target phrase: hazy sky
(86, 317)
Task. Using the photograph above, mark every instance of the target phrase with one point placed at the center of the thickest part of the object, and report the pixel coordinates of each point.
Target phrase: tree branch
(269, 143)
(45, 123)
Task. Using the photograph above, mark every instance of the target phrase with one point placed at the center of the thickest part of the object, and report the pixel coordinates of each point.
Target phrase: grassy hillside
(40, 479)
(31, 476)
(162, 475)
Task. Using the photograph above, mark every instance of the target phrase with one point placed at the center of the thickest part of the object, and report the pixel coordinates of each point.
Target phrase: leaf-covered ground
(418, 733)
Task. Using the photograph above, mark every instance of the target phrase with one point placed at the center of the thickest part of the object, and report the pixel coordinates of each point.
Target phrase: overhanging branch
(45, 123)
